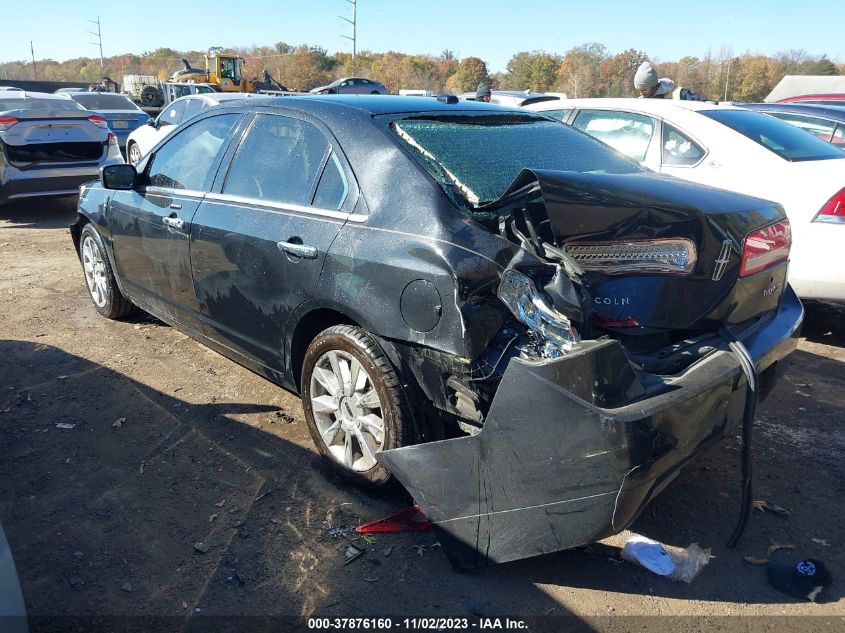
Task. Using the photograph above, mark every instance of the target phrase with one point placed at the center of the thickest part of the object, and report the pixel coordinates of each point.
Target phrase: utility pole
(99, 43)
(34, 68)
(727, 79)
(354, 23)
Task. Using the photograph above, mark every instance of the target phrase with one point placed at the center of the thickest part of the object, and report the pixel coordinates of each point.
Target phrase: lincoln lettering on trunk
(612, 301)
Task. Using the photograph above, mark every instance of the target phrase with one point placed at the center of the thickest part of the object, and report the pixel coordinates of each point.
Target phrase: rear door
(151, 225)
(630, 133)
(259, 245)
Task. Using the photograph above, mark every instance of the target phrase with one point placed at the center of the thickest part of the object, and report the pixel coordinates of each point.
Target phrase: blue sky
(493, 30)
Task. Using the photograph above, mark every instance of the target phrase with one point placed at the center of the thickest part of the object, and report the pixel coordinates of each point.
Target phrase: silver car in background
(352, 85)
(49, 145)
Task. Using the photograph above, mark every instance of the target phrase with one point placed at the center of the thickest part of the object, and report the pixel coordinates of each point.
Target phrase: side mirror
(151, 122)
(120, 177)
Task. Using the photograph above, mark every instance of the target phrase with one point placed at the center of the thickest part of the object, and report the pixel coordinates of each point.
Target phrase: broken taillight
(112, 139)
(765, 248)
(6, 122)
(833, 210)
(673, 256)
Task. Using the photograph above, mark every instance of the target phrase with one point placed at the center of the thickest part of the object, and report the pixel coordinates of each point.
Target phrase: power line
(99, 42)
(354, 23)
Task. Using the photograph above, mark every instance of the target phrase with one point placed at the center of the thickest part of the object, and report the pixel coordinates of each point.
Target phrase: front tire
(99, 277)
(353, 403)
(133, 154)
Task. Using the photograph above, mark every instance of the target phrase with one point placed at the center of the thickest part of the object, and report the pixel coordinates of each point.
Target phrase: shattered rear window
(482, 155)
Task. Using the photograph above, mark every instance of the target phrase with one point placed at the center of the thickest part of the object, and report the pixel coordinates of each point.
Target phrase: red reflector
(833, 210)
(112, 139)
(99, 121)
(765, 248)
(6, 122)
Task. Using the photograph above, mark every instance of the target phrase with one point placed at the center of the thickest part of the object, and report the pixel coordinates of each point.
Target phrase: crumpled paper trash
(675, 563)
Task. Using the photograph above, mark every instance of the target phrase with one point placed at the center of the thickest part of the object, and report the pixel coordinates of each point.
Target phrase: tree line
(588, 70)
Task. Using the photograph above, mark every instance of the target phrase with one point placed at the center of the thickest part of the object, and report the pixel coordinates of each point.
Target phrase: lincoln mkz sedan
(528, 330)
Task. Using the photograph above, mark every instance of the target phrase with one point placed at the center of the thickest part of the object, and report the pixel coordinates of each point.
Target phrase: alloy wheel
(95, 271)
(347, 410)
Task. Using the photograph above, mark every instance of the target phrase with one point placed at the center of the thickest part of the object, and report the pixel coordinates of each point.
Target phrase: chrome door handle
(298, 250)
(174, 223)
(175, 205)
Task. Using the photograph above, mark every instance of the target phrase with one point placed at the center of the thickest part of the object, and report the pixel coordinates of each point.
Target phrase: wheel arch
(308, 325)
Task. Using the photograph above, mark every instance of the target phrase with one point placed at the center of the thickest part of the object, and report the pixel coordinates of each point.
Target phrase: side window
(172, 114)
(820, 128)
(332, 190)
(679, 150)
(279, 160)
(558, 115)
(193, 107)
(625, 132)
(185, 160)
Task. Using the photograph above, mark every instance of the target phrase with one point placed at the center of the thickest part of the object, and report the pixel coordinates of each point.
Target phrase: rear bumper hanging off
(551, 470)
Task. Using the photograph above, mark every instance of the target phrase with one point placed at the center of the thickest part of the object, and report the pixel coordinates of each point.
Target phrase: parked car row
(50, 144)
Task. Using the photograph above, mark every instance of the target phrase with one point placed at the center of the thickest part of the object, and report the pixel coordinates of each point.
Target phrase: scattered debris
(238, 523)
(420, 549)
(387, 551)
(775, 546)
(352, 553)
(762, 505)
(262, 495)
(212, 517)
(369, 539)
(65, 425)
(675, 563)
(78, 554)
(336, 532)
(202, 547)
(127, 587)
(752, 560)
(118, 423)
(407, 520)
(141, 470)
(63, 377)
(220, 504)
(820, 541)
(371, 579)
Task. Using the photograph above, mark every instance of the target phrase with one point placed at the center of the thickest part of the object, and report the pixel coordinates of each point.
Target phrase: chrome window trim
(287, 206)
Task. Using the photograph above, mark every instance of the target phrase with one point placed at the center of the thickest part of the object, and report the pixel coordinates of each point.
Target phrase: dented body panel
(552, 470)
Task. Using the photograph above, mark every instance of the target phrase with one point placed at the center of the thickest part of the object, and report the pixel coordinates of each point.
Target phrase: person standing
(650, 87)
(483, 93)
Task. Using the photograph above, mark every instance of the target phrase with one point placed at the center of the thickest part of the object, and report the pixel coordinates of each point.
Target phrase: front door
(259, 245)
(151, 226)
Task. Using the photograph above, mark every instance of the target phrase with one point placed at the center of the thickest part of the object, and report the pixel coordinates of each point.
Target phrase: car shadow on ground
(119, 500)
(824, 323)
(38, 213)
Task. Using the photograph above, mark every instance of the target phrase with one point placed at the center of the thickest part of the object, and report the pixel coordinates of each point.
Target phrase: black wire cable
(751, 399)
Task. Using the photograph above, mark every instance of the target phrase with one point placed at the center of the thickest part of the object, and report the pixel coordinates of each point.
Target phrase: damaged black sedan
(530, 332)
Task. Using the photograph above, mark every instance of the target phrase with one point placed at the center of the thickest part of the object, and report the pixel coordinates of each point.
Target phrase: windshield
(95, 101)
(785, 140)
(481, 155)
(38, 104)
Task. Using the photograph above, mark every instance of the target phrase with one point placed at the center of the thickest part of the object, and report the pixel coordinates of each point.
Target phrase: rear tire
(102, 285)
(353, 403)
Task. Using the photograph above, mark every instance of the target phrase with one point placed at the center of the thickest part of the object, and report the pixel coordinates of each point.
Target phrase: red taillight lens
(99, 121)
(112, 139)
(833, 210)
(6, 122)
(765, 248)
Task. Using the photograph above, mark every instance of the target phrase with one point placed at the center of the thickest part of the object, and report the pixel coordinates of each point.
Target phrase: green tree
(471, 72)
(578, 74)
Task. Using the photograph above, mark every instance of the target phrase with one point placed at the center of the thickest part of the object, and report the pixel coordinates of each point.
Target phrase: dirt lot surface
(188, 487)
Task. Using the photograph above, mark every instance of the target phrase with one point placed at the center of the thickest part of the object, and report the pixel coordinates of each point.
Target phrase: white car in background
(144, 138)
(740, 150)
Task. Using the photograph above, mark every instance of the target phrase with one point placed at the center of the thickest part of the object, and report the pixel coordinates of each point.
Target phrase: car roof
(388, 104)
(651, 106)
(832, 112)
(27, 94)
(218, 97)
